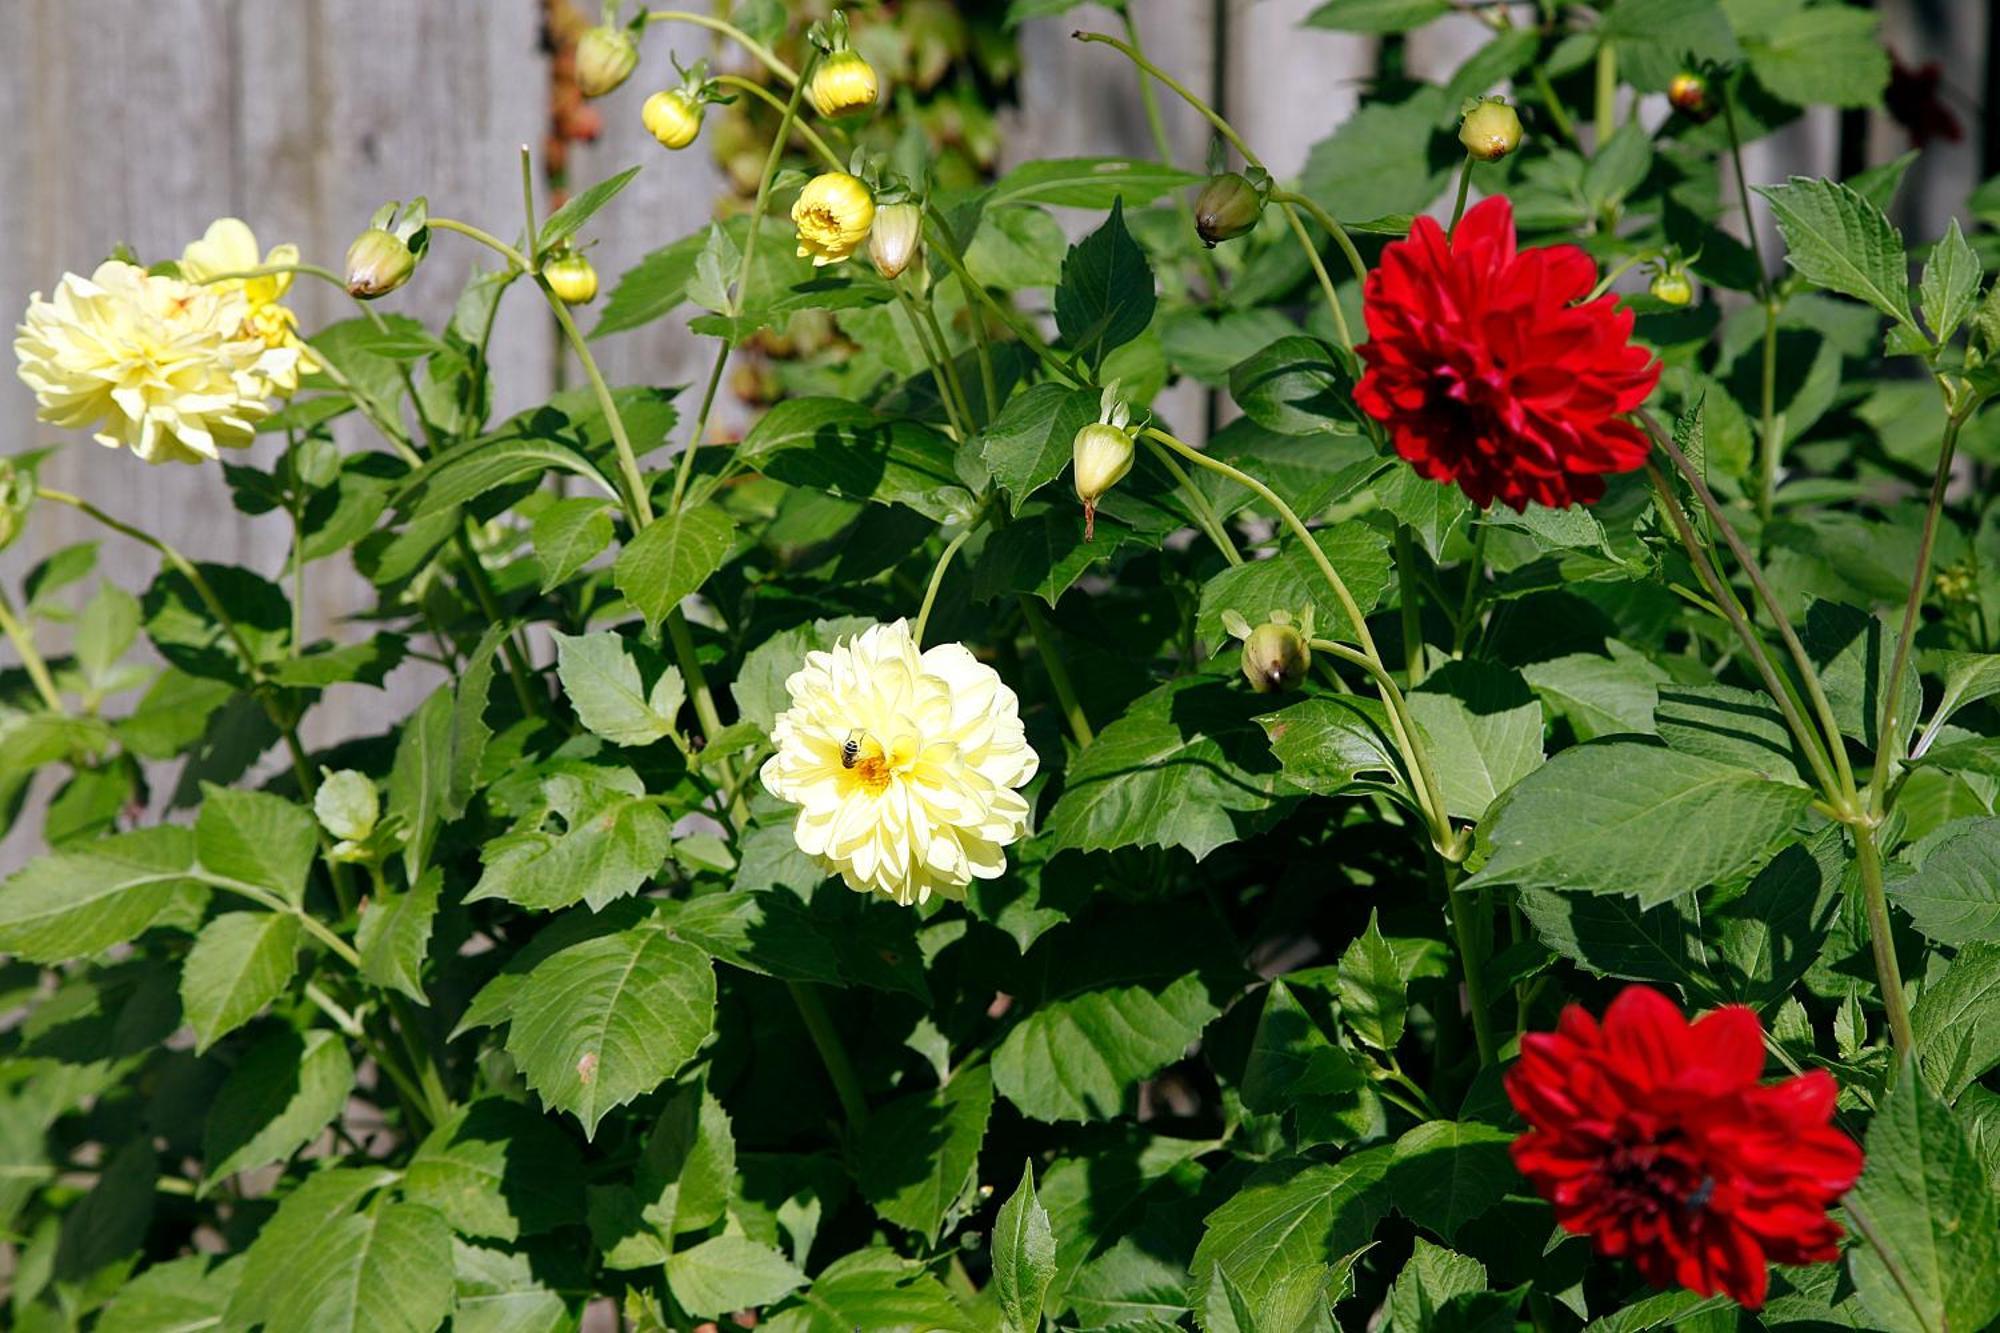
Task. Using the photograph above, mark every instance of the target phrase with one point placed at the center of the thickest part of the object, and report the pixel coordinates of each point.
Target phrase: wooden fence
(138, 121)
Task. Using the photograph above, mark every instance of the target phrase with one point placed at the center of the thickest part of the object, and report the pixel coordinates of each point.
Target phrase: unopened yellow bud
(896, 237)
(1100, 456)
(1276, 657)
(843, 85)
(672, 117)
(378, 263)
(833, 215)
(572, 278)
(1227, 207)
(1490, 130)
(605, 58)
(1673, 286)
(1689, 95)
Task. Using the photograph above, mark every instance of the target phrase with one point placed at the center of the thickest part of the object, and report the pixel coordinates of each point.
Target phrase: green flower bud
(349, 809)
(1227, 207)
(605, 58)
(378, 263)
(1490, 130)
(1276, 656)
(896, 238)
(571, 277)
(1101, 455)
(1672, 286)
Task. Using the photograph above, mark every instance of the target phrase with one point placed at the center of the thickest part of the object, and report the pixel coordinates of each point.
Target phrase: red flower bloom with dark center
(1654, 1137)
(1487, 375)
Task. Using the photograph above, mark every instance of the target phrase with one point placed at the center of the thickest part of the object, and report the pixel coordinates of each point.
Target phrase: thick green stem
(1402, 730)
(826, 1039)
(1464, 193)
(23, 638)
(639, 500)
(1044, 634)
(1202, 511)
(1771, 442)
(1882, 940)
(1607, 93)
(944, 563)
(1472, 959)
(1406, 595)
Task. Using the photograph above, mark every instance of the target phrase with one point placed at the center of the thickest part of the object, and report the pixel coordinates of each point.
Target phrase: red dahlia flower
(1487, 375)
(1654, 1137)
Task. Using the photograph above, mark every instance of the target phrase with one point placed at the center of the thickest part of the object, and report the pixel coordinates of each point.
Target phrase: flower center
(873, 772)
(820, 218)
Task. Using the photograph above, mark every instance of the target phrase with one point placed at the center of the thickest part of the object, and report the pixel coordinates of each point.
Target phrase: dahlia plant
(1477, 811)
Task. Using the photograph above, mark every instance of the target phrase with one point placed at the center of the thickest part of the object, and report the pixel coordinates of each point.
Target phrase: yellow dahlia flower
(905, 765)
(833, 215)
(165, 368)
(229, 246)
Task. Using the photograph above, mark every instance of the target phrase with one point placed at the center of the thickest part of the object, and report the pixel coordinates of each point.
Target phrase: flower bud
(346, 805)
(1490, 130)
(605, 58)
(1227, 207)
(378, 263)
(1275, 656)
(895, 239)
(843, 85)
(1689, 94)
(1100, 456)
(1672, 286)
(571, 277)
(672, 117)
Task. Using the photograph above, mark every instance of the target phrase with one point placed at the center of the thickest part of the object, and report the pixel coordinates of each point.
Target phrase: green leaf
(1290, 1216)
(567, 220)
(498, 1291)
(1043, 552)
(288, 1240)
(179, 1296)
(844, 449)
(1839, 241)
(469, 732)
(727, 1273)
(81, 901)
(1619, 167)
(1485, 731)
(387, 1270)
(671, 559)
(613, 838)
(1932, 1219)
(1599, 695)
(1953, 892)
(1024, 1256)
(653, 287)
(240, 962)
(1387, 157)
(465, 472)
(1951, 280)
(1957, 1021)
(873, 1289)
(685, 1179)
(257, 839)
(1434, 510)
(1730, 726)
(1377, 16)
(105, 630)
(1432, 1277)
(1030, 443)
(1094, 183)
(420, 777)
(395, 936)
(280, 1095)
(599, 1018)
(498, 1169)
(1854, 652)
(1627, 818)
(1017, 248)
(1447, 1173)
(1373, 1000)
(1186, 766)
(601, 679)
(1328, 744)
(1290, 581)
(568, 535)
(1821, 55)
(921, 1191)
(1293, 1066)
(1106, 297)
(1295, 387)
(1656, 39)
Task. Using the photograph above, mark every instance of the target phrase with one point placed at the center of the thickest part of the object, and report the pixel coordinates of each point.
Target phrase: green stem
(939, 234)
(1162, 145)
(735, 34)
(1472, 958)
(1072, 709)
(1607, 93)
(1888, 736)
(1612, 275)
(1553, 104)
(1882, 940)
(1809, 741)
(23, 638)
(805, 131)
(1199, 508)
(532, 235)
(1772, 437)
(1402, 730)
(640, 503)
(1475, 582)
(1413, 631)
(312, 925)
(1808, 674)
(956, 409)
(944, 563)
(988, 385)
(1464, 192)
(485, 238)
(826, 1039)
(1326, 286)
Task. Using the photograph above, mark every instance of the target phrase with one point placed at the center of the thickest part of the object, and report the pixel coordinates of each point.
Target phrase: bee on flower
(833, 214)
(230, 247)
(906, 765)
(173, 371)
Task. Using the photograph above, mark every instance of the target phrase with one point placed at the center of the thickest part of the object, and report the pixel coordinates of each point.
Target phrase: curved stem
(23, 638)
(485, 238)
(948, 364)
(763, 94)
(939, 237)
(1203, 512)
(640, 502)
(1887, 738)
(1209, 113)
(1610, 276)
(1809, 741)
(312, 925)
(988, 385)
(1423, 782)
(735, 34)
(1326, 286)
(1059, 681)
(944, 563)
(1332, 226)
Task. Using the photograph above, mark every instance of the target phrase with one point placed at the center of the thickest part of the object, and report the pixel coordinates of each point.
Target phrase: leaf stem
(826, 1039)
(1072, 709)
(1464, 192)
(1199, 508)
(1472, 959)
(944, 563)
(1882, 940)
(1607, 94)
(22, 636)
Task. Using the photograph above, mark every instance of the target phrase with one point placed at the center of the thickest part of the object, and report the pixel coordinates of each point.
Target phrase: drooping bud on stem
(1672, 286)
(844, 84)
(1490, 129)
(1101, 455)
(1276, 654)
(605, 57)
(896, 238)
(571, 277)
(1227, 207)
(672, 117)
